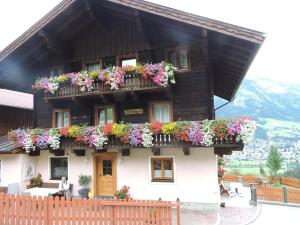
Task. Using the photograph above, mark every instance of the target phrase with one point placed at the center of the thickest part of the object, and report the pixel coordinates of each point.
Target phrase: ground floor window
(162, 169)
(58, 168)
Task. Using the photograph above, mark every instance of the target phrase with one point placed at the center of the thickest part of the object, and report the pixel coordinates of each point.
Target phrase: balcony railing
(132, 82)
(159, 141)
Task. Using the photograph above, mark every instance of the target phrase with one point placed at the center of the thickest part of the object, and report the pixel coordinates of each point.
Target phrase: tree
(274, 161)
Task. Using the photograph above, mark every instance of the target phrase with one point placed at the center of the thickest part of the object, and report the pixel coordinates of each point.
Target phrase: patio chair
(226, 188)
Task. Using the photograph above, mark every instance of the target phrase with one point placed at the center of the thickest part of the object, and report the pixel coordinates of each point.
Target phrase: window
(104, 115)
(58, 167)
(61, 118)
(129, 62)
(162, 169)
(0, 171)
(92, 67)
(179, 58)
(161, 111)
(56, 70)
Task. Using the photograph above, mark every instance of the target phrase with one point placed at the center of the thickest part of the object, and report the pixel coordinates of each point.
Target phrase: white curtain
(59, 121)
(161, 112)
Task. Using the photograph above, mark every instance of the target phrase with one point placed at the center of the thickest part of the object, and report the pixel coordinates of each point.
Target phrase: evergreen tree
(274, 161)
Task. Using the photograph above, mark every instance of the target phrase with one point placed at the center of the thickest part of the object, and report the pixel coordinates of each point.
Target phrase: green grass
(246, 167)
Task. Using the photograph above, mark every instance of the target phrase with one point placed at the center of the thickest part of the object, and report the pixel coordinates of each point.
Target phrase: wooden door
(105, 174)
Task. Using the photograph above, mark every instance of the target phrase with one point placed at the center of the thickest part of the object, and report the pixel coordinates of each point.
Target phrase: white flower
(147, 136)
(248, 128)
(99, 139)
(54, 139)
(206, 128)
(27, 143)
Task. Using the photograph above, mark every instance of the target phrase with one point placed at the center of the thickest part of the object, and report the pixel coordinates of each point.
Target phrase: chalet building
(78, 40)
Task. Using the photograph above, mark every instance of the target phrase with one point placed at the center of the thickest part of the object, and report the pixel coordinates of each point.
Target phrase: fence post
(178, 211)
(254, 196)
(285, 197)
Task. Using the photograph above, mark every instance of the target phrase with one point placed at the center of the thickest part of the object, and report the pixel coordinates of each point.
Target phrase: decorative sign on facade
(133, 111)
(28, 170)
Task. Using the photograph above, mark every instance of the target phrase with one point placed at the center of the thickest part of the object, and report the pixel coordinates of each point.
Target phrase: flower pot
(84, 192)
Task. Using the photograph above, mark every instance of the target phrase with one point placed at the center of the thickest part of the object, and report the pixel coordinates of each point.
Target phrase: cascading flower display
(82, 79)
(161, 73)
(113, 76)
(204, 133)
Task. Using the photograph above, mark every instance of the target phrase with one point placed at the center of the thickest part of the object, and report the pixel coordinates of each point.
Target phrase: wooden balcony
(132, 83)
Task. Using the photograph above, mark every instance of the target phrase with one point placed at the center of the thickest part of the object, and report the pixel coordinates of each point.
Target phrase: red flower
(156, 127)
(107, 129)
(64, 131)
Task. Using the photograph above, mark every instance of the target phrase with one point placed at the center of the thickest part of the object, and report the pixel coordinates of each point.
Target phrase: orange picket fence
(230, 177)
(292, 182)
(250, 179)
(267, 193)
(293, 196)
(15, 210)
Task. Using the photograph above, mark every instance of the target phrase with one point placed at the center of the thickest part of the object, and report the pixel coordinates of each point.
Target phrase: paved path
(278, 215)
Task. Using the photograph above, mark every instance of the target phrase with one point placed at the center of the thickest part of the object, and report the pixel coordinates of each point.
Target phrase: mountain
(275, 106)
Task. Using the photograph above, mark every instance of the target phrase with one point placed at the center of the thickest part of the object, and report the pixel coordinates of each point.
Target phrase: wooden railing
(47, 211)
(132, 82)
(288, 181)
(159, 140)
(284, 194)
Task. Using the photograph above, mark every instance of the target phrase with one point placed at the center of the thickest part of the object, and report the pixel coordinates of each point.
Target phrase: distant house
(108, 41)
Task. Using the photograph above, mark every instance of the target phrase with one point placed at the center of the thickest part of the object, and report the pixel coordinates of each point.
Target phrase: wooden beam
(104, 99)
(155, 151)
(186, 150)
(135, 97)
(55, 45)
(125, 151)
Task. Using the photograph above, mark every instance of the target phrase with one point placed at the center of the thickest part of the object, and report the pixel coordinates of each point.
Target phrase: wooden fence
(286, 195)
(15, 210)
(288, 181)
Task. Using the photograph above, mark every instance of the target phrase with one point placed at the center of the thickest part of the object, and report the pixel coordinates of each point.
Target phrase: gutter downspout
(221, 106)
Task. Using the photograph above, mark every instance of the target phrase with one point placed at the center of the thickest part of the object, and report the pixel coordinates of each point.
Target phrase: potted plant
(84, 181)
(123, 194)
(35, 181)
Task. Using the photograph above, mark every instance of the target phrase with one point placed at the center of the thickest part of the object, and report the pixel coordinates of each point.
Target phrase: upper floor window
(61, 118)
(161, 111)
(104, 115)
(92, 67)
(128, 60)
(56, 70)
(179, 58)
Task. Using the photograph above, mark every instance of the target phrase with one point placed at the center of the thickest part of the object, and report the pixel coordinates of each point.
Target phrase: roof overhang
(16, 99)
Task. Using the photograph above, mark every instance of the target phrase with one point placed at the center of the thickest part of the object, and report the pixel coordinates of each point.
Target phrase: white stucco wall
(12, 169)
(195, 174)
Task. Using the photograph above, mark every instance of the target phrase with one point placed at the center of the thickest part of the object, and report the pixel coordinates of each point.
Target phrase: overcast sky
(278, 58)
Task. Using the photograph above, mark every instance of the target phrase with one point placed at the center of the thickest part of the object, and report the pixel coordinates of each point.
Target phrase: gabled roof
(230, 62)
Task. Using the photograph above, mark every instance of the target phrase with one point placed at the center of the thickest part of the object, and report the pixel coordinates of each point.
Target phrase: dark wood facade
(79, 32)
(13, 118)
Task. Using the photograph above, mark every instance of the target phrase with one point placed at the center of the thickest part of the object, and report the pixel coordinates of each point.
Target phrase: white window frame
(49, 165)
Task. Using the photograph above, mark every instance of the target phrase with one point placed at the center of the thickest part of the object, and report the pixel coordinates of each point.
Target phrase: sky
(277, 59)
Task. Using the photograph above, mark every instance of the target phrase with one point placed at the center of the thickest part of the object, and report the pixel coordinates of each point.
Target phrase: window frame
(98, 107)
(54, 111)
(176, 50)
(150, 109)
(50, 169)
(162, 179)
(97, 61)
(120, 58)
